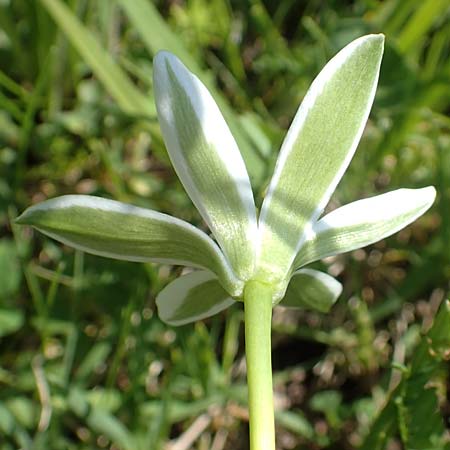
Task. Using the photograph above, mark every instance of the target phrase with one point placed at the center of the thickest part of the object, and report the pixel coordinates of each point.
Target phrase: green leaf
(312, 289)
(7, 421)
(316, 152)
(363, 222)
(104, 399)
(10, 272)
(295, 421)
(23, 409)
(10, 321)
(424, 18)
(192, 297)
(102, 64)
(117, 230)
(411, 410)
(95, 357)
(207, 160)
(330, 403)
(105, 423)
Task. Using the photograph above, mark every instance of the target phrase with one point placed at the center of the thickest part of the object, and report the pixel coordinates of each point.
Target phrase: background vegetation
(85, 363)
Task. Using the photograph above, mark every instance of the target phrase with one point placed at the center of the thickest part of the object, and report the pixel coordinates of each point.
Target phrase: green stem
(258, 319)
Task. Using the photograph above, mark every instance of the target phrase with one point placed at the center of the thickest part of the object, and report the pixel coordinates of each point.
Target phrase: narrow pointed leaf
(113, 78)
(312, 289)
(192, 297)
(364, 222)
(117, 230)
(206, 159)
(317, 150)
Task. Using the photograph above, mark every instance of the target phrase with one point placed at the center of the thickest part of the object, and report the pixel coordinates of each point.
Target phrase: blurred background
(85, 363)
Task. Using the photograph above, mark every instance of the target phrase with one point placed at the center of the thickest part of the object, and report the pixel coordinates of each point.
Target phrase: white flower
(290, 232)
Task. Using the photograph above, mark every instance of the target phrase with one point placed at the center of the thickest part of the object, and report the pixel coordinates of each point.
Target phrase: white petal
(192, 297)
(364, 222)
(316, 152)
(121, 231)
(312, 289)
(207, 160)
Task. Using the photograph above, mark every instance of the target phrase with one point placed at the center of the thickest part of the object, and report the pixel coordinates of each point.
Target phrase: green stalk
(258, 319)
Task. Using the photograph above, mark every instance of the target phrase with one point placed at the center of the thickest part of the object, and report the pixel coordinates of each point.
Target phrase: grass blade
(102, 64)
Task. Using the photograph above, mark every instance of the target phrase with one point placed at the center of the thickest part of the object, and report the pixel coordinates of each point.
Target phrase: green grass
(85, 363)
